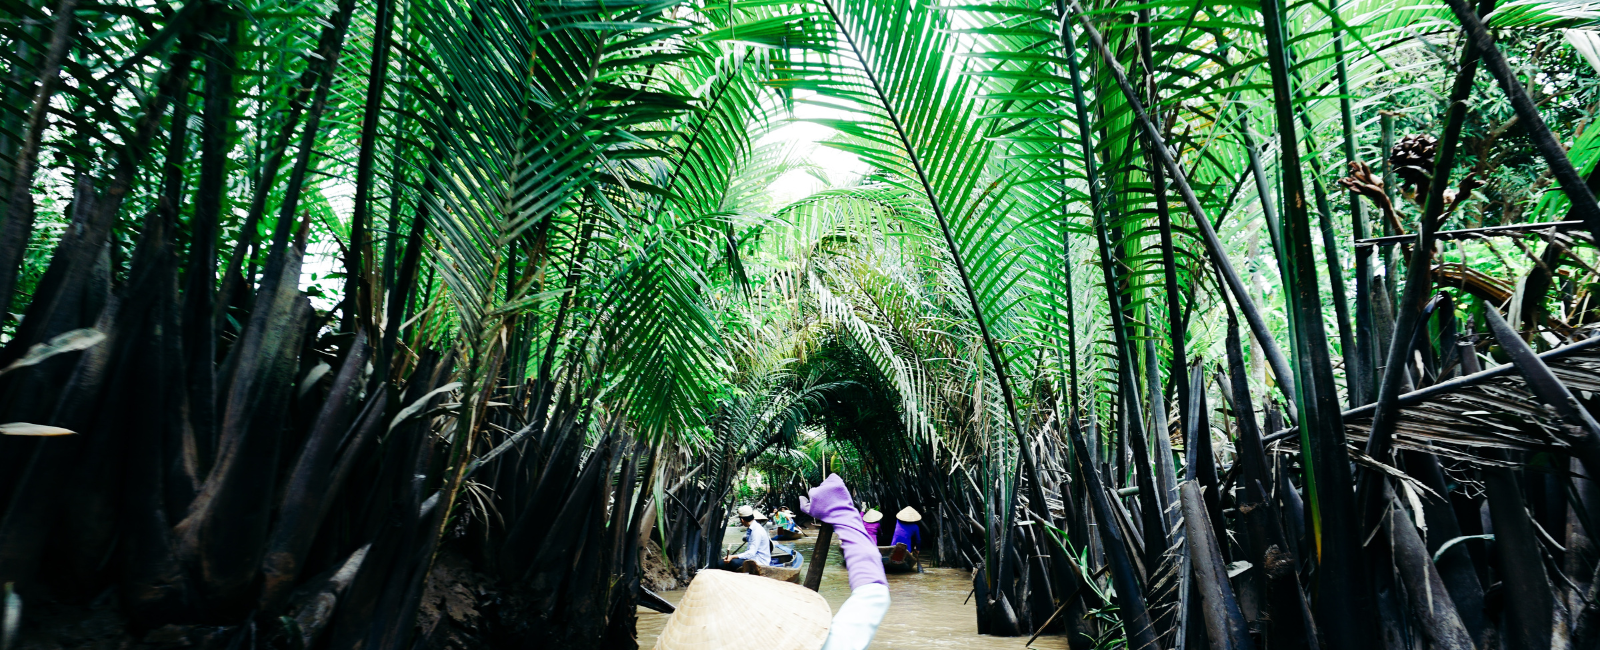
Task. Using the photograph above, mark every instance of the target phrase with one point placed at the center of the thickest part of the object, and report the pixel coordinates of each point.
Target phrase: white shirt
(858, 618)
(760, 546)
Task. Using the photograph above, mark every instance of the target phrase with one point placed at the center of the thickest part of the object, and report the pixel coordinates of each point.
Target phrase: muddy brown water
(926, 609)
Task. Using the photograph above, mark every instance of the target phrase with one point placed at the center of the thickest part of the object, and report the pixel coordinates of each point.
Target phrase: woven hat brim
(908, 515)
(720, 610)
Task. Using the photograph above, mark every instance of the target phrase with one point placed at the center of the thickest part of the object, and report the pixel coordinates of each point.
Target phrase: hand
(831, 503)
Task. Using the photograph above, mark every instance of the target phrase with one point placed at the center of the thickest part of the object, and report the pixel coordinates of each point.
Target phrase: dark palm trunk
(1455, 565)
(200, 285)
(1274, 554)
(1176, 322)
(309, 487)
(1410, 322)
(17, 227)
(1343, 591)
(1129, 595)
(1529, 603)
(1201, 464)
(359, 285)
(1336, 285)
(321, 67)
(1150, 509)
(1181, 183)
(62, 301)
(1358, 367)
(1432, 610)
(329, 52)
(1223, 620)
(406, 285)
(1269, 203)
(225, 531)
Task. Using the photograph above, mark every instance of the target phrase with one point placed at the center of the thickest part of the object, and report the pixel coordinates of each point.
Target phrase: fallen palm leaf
(31, 429)
(78, 339)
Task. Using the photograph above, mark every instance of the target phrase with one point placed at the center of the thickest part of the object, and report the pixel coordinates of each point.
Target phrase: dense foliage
(324, 314)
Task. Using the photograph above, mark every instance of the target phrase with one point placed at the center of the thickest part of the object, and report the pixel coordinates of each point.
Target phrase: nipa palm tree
(1215, 324)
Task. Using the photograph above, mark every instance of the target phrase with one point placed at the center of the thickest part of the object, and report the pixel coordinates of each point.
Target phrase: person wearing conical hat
(873, 519)
(906, 530)
(760, 549)
(719, 608)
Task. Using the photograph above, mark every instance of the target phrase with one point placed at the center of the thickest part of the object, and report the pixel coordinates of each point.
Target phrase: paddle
(819, 556)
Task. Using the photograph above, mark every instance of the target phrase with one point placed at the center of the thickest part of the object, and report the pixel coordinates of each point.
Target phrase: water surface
(926, 609)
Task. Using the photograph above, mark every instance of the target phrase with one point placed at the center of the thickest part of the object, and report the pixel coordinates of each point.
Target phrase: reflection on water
(926, 610)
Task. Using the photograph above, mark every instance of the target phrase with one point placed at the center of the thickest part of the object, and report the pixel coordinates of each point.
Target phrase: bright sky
(806, 140)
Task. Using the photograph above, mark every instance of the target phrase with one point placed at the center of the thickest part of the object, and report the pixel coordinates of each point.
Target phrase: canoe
(785, 565)
(786, 535)
(782, 574)
(784, 556)
(896, 559)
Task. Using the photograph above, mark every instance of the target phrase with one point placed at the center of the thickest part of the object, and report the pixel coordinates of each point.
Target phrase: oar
(819, 557)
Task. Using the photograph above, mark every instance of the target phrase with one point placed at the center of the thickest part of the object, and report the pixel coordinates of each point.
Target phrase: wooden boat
(787, 534)
(784, 556)
(896, 559)
(784, 574)
(785, 565)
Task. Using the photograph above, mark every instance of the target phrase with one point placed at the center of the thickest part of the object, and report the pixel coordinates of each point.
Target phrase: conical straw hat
(759, 516)
(872, 516)
(908, 515)
(733, 611)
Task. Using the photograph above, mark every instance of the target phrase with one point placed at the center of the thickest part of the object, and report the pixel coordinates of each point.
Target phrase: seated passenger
(906, 530)
(760, 550)
(874, 519)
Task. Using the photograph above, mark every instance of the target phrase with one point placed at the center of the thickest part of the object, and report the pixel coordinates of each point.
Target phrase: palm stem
(18, 225)
(991, 346)
(359, 284)
(1343, 591)
(1214, 248)
(1555, 155)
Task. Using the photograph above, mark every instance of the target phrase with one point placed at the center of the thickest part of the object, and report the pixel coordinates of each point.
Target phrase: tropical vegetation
(429, 323)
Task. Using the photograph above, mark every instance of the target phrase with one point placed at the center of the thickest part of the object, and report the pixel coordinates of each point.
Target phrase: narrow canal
(927, 610)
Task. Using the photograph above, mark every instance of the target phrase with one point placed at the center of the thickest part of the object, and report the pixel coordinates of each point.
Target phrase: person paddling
(760, 550)
(874, 519)
(717, 611)
(906, 530)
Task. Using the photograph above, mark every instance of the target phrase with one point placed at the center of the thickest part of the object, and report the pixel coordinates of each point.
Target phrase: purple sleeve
(831, 503)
